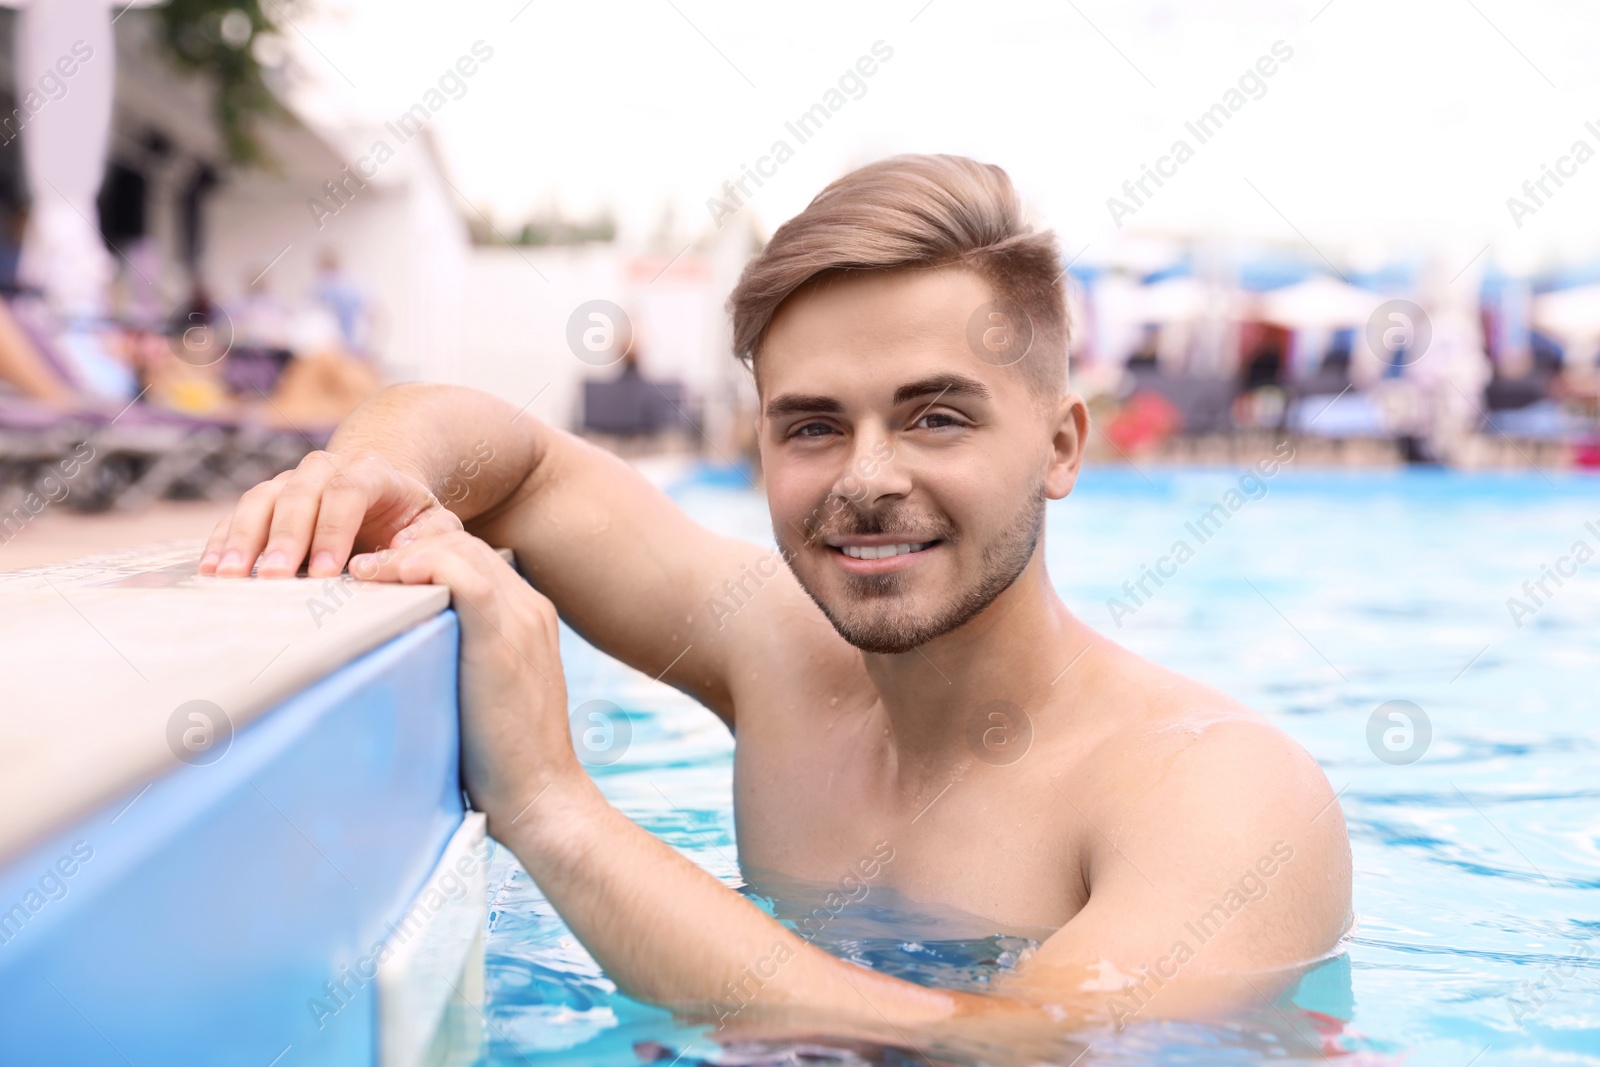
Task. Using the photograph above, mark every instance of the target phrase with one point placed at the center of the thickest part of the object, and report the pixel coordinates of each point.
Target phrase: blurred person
(323, 382)
(260, 318)
(1146, 359)
(629, 365)
(1579, 382)
(176, 362)
(137, 294)
(84, 354)
(25, 369)
(1517, 380)
(197, 313)
(344, 297)
(1451, 376)
(904, 637)
(176, 373)
(1264, 346)
(261, 327)
(1332, 374)
(15, 225)
(1260, 400)
(631, 406)
(319, 390)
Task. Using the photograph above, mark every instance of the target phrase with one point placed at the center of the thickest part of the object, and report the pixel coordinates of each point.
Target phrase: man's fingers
(322, 510)
(432, 522)
(474, 572)
(294, 515)
(431, 561)
(211, 555)
(339, 518)
(247, 529)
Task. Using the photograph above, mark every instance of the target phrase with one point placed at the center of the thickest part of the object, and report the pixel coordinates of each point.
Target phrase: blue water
(1321, 597)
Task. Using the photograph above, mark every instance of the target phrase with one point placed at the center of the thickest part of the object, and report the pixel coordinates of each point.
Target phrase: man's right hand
(328, 505)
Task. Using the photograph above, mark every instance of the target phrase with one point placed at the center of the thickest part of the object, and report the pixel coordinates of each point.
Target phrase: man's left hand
(515, 741)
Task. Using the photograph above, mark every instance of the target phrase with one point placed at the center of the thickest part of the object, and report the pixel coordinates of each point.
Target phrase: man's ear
(1070, 424)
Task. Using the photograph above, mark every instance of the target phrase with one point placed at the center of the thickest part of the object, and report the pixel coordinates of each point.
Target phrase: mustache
(845, 518)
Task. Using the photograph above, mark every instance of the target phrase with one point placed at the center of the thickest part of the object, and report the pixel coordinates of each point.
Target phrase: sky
(1381, 127)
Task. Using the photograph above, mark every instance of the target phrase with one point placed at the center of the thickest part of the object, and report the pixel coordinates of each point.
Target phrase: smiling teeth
(882, 551)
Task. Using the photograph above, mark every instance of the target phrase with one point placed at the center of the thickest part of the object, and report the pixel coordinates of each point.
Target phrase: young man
(911, 677)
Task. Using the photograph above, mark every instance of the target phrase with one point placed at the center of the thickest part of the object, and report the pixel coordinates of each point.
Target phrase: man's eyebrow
(802, 404)
(942, 385)
(937, 386)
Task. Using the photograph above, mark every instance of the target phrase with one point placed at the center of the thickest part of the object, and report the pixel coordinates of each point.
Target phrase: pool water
(1321, 599)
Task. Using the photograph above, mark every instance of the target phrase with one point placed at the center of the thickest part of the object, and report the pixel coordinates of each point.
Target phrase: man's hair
(910, 212)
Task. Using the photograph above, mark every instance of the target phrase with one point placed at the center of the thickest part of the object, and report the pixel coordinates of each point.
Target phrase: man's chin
(889, 633)
(888, 619)
(883, 641)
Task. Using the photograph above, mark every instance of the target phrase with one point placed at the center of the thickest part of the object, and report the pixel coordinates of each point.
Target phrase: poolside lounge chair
(140, 452)
(633, 405)
(1204, 403)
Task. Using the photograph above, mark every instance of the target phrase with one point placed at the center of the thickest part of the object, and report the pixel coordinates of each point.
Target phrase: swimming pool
(1318, 598)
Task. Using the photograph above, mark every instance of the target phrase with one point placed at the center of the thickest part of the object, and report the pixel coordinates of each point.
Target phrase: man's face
(907, 477)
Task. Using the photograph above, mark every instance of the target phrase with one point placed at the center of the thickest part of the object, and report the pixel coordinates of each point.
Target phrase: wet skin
(1023, 767)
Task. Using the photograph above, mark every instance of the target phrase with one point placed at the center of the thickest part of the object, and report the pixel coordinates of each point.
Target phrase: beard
(871, 614)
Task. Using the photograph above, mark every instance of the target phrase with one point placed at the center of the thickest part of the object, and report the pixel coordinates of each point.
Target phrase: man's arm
(664, 929)
(1218, 863)
(636, 576)
(1242, 876)
(624, 565)
(667, 931)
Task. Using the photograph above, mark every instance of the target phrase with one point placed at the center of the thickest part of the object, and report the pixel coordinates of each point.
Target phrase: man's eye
(937, 420)
(811, 429)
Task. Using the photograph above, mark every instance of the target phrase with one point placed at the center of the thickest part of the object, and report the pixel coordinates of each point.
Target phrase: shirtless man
(910, 678)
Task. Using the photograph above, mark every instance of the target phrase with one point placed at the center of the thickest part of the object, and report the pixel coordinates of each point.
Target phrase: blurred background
(226, 222)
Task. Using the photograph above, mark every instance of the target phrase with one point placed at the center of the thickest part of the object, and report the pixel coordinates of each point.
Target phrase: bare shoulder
(783, 658)
(1212, 795)
(1187, 739)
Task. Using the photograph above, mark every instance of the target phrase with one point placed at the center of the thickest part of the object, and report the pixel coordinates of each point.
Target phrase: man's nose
(873, 471)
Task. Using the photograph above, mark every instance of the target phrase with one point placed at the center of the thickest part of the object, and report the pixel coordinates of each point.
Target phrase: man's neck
(1011, 651)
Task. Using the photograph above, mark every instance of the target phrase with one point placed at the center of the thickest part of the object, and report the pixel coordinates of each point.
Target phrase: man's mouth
(883, 551)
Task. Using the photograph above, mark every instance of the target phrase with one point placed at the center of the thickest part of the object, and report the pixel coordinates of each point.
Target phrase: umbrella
(1318, 303)
(1571, 314)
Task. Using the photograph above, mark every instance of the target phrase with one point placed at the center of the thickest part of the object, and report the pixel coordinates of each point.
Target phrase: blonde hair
(910, 212)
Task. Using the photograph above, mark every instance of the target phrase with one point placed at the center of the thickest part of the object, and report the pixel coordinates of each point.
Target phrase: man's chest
(987, 840)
